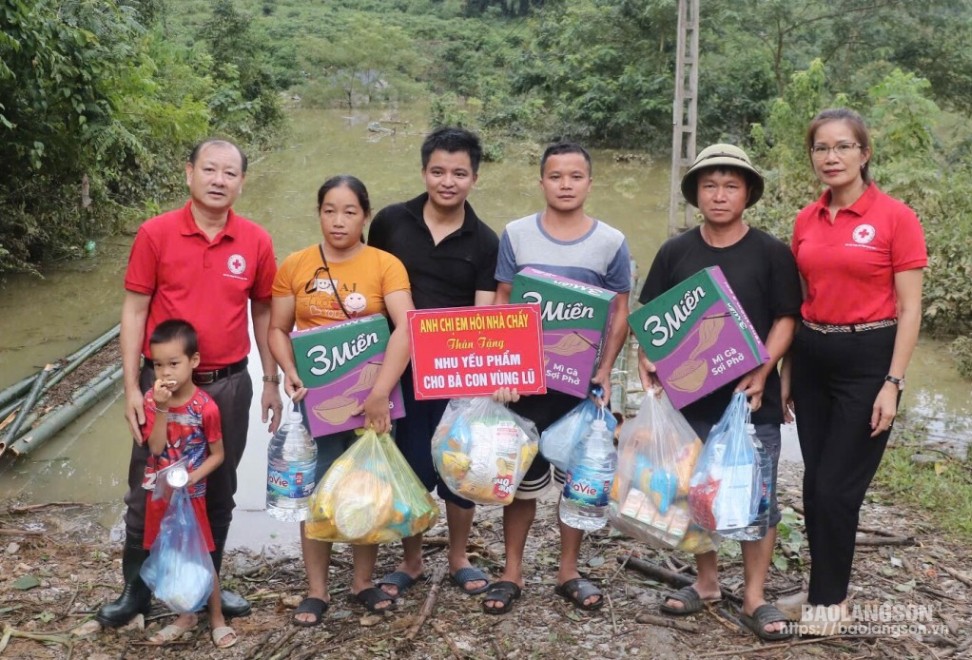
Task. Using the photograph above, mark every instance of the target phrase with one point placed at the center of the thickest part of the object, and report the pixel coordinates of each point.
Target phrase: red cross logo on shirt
(236, 264)
(864, 234)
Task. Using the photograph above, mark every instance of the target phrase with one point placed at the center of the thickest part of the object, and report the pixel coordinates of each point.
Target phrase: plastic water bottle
(589, 476)
(291, 467)
(760, 524)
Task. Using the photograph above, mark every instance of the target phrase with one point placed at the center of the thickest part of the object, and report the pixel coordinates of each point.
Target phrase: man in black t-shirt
(450, 256)
(722, 183)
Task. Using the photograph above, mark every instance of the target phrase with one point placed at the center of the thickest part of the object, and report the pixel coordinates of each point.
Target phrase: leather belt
(828, 328)
(210, 377)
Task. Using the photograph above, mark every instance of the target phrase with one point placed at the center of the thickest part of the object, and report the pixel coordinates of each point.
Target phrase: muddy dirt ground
(57, 567)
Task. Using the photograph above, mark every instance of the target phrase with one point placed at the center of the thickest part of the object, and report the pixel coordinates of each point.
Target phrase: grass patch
(942, 488)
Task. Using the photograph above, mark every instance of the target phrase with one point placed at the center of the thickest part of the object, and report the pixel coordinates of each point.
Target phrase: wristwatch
(275, 379)
(897, 381)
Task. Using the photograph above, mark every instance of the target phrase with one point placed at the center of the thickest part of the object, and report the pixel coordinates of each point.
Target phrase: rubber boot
(232, 603)
(136, 598)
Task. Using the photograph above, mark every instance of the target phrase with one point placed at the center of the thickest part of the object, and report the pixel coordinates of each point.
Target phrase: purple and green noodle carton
(338, 365)
(698, 336)
(575, 318)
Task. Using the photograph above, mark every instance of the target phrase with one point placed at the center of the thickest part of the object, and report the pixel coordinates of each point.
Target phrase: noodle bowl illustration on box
(339, 364)
(698, 336)
(575, 317)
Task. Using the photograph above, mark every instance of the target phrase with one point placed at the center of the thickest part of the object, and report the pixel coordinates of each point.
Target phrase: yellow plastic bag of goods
(370, 495)
(482, 450)
(657, 452)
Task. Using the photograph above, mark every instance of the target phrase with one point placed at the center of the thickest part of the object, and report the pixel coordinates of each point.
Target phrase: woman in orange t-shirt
(338, 279)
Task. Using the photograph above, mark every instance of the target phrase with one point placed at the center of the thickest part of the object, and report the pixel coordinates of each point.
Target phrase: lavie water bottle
(589, 476)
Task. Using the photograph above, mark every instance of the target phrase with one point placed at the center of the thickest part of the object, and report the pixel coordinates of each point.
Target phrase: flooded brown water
(43, 320)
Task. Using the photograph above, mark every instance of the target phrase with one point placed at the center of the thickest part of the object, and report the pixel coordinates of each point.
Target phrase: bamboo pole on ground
(63, 415)
(14, 429)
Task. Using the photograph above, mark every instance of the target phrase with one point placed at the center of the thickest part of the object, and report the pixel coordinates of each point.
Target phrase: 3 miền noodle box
(338, 365)
(575, 317)
(698, 336)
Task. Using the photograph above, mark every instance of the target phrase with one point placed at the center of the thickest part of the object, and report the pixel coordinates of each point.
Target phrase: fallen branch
(10, 531)
(10, 631)
(440, 630)
(614, 621)
(255, 651)
(286, 637)
(875, 531)
(871, 540)
(429, 604)
(655, 572)
(961, 577)
(671, 578)
(666, 622)
(77, 588)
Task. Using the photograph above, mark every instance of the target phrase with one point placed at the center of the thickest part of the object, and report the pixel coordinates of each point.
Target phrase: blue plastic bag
(726, 485)
(560, 438)
(179, 570)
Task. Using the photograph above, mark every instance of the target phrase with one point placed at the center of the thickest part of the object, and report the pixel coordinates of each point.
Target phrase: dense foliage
(98, 110)
(113, 92)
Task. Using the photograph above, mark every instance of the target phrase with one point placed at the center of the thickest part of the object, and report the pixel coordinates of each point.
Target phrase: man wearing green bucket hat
(723, 183)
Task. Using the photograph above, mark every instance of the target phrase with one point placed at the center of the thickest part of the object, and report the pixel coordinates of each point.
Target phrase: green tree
(247, 105)
(361, 63)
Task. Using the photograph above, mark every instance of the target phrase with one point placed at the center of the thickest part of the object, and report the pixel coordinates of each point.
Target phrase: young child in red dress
(182, 421)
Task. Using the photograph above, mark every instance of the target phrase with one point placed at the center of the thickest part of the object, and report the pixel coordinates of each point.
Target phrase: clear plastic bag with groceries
(482, 449)
(727, 483)
(657, 451)
(370, 495)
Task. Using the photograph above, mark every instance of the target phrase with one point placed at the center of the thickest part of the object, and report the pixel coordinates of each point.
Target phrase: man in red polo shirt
(206, 265)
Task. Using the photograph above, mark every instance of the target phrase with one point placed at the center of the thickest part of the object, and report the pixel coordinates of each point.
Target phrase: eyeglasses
(842, 150)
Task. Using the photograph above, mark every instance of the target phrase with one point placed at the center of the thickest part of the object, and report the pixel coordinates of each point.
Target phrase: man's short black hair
(176, 329)
(452, 139)
(194, 154)
(561, 148)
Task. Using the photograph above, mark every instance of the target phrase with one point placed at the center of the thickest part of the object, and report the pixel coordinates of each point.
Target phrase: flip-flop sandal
(503, 592)
(310, 605)
(370, 598)
(171, 633)
(690, 599)
(219, 637)
(401, 581)
(464, 576)
(763, 616)
(579, 590)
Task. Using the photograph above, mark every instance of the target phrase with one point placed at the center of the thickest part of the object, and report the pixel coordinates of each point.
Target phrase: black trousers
(232, 395)
(835, 379)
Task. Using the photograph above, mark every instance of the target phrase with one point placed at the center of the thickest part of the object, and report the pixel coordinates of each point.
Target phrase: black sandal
(504, 592)
(579, 590)
(370, 598)
(310, 605)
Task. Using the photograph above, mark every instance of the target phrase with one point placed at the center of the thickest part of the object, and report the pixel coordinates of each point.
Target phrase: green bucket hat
(722, 155)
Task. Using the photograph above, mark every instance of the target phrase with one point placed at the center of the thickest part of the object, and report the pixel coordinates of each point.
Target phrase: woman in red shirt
(860, 254)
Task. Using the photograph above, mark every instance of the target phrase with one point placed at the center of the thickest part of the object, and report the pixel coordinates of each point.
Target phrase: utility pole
(684, 112)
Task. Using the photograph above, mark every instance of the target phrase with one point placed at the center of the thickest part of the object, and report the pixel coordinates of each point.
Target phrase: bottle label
(587, 487)
(295, 481)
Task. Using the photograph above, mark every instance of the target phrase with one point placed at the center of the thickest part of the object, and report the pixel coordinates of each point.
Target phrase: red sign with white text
(473, 351)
